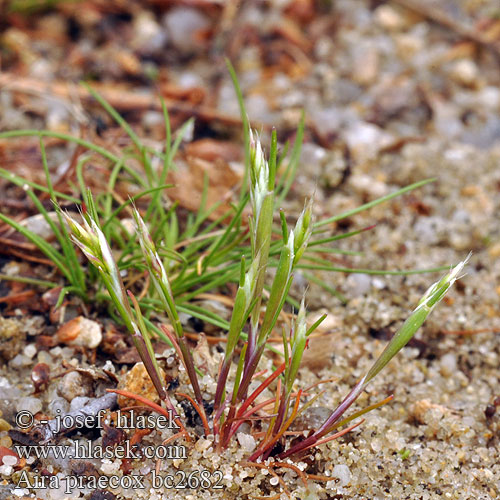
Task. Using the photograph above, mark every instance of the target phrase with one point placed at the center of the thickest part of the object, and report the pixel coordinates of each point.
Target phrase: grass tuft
(164, 264)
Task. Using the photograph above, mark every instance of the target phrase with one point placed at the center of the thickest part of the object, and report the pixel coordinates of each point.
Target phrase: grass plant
(185, 258)
(234, 403)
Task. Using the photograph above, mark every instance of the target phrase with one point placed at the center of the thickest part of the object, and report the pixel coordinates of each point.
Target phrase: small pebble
(78, 403)
(448, 365)
(40, 376)
(4, 425)
(74, 384)
(10, 460)
(38, 224)
(81, 332)
(149, 36)
(58, 406)
(30, 351)
(343, 473)
(465, 72)
(490, 411)
(202, 444)
(183, 24)
(138, 381)
(28, 403)
(5, 441)
(11, 337)
(6, 470)
(247, 441)
(20, 361)
(391, 18)
(358, 284)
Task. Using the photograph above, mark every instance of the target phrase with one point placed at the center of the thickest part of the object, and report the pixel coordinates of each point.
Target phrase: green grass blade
(65, 137)
(246, 125)
(22, 182)
(42, 245)
(373, 203)
(29, 281)
(382, 272)
(115, 115)
(288, 177)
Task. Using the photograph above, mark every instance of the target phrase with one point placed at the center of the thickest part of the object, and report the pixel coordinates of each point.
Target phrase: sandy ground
(391, 98)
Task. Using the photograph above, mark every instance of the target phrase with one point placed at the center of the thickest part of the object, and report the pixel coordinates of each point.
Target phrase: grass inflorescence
(183, 260)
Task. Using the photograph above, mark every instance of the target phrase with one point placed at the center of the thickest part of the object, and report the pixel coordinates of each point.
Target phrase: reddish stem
(153, 406)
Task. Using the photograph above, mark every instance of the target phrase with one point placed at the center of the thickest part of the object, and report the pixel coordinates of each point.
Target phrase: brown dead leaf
(302, 10)
(128, 62)
(292, 33)
(212, 150)
(223, 181)
(194, 95)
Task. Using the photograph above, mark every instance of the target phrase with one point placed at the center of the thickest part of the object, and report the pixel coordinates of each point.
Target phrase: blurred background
(393, 92)
(371, 76)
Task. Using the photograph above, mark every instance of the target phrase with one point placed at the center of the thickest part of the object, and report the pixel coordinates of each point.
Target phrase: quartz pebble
(448, 365)
(78, 403)
(58, 405)
(9, 460)
(343, 473)
(81, 332)
(74, 384)
(389, 18)
(465, 72)
(20, 361)
(33, 405)
(247, 441)
(358, 284)
(183, 23)
(38, 225)
(30, 351)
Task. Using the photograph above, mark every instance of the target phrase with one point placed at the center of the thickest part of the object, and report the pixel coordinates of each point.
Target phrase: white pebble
(33, 405)
(6, 470)
(30, 351)
(20, 361)
(183, 23)
(274, 481)
(389, 18)
(202, 444)
(343, 473)
(358, 284)
(247, 441)
(9, 460)
(448, 364)
(465, 72)
(489, 97)
(56, 351)
(109, 468)
(72, 385)
(20, 492)
(78, 403)
(81, 332)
